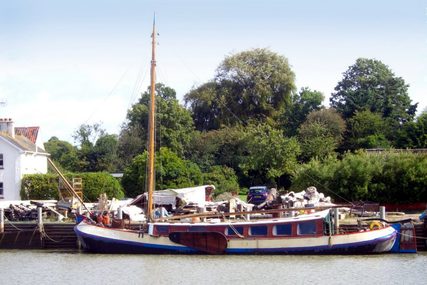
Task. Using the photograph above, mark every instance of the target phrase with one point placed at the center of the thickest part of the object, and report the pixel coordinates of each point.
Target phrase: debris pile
(306, 198)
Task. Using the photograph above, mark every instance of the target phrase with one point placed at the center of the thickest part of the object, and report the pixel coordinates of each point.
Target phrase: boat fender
(375, 225)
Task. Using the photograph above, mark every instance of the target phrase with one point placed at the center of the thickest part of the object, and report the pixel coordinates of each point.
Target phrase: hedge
(45, 186)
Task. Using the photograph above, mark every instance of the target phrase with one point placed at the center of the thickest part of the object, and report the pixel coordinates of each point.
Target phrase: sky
(68, 63)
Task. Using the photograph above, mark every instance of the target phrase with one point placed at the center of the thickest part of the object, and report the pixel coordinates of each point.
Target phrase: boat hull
(106, 240)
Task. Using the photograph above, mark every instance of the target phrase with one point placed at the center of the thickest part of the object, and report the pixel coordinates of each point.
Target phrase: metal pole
(120, 213)
(382, 212)
(336, 220)
(1, 220)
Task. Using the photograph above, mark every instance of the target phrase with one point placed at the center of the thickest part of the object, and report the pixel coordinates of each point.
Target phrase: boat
(251, 232)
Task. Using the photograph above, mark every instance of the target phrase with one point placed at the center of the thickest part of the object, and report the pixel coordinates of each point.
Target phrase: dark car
(257, 194)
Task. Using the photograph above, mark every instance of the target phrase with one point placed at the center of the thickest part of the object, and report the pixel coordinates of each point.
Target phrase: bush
(223, 178)
(387, 177)
(40, 187)
(45, 186)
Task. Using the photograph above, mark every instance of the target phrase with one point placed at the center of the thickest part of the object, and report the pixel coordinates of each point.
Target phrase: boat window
(282, 230)
(162, 230)
(307, 228)
(258, 231)
(234, 231)
(1, 160)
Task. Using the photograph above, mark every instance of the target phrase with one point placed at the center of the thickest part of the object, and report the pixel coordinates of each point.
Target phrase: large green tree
(321, 134)
(97, 150)
(370, 85)
(62, 153)
(171, 172)
(269, 155)
(302, 103)
(174, 125)
(366, 130)
(414, 134)
(250, 85)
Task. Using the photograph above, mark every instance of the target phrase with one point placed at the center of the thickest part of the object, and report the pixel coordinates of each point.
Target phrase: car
(257, 194)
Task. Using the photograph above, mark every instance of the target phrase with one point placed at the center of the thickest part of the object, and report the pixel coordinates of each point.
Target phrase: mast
(151, 126)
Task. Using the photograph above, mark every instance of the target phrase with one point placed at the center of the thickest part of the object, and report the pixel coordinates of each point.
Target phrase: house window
(1, 189)
(1, 160)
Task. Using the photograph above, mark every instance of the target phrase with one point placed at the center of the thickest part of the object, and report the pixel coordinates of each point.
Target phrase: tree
(174, 125)
(302, 103)
(171, 172)
(414, 134)
(62, 153)
(224, 178)
(371, 85)
(105, 152)
(366, 130)
(255, 84)
(205, 106)
(320, 134)
(269, 154)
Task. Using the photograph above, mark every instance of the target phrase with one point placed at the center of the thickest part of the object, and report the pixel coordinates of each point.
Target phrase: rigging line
(327, 188)
(107, 97)
(137, 88)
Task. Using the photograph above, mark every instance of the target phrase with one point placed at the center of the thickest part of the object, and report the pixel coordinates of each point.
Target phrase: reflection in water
(35, 267)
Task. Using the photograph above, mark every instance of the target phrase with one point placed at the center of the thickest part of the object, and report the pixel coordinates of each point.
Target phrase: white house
(19, 155)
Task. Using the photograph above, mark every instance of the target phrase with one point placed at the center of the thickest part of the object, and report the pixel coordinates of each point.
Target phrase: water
(58, 267)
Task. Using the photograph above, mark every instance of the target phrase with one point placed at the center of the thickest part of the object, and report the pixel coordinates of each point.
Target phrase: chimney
(6, 126)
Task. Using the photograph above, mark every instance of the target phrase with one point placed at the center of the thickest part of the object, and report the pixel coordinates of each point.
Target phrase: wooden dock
(29, 235)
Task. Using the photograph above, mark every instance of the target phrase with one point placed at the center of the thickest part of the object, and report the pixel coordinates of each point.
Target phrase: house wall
(10, 174)
(16, 164)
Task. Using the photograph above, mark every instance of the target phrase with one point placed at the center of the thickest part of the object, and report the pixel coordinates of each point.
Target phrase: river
(61, 267)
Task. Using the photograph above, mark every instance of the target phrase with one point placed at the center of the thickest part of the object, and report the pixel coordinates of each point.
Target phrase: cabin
(19, 155)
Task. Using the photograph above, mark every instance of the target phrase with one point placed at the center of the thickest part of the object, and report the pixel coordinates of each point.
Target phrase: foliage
(205, 106)
(174, 125)
(97, 183)
(39, 186)
(251, 85)
(371, 85)
(224, 178)
(171, 172)
(387, 177)
(97, 149)
(302, 103)
(269, 154)
(316, 141)
(366, 130)
(414, 134)
(320, 134)
(62, 153)
(45, 186)
(218, 147)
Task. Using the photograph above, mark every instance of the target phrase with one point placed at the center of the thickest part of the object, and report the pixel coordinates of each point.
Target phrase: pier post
(382, 212)
(40, 218)
(336, 220)
(120, 213)
(1, 220)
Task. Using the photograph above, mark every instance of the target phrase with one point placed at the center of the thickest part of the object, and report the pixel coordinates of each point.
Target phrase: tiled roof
(28, 132)
(22, 143)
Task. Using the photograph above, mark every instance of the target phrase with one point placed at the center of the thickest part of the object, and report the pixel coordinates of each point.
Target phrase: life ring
(375, 225)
